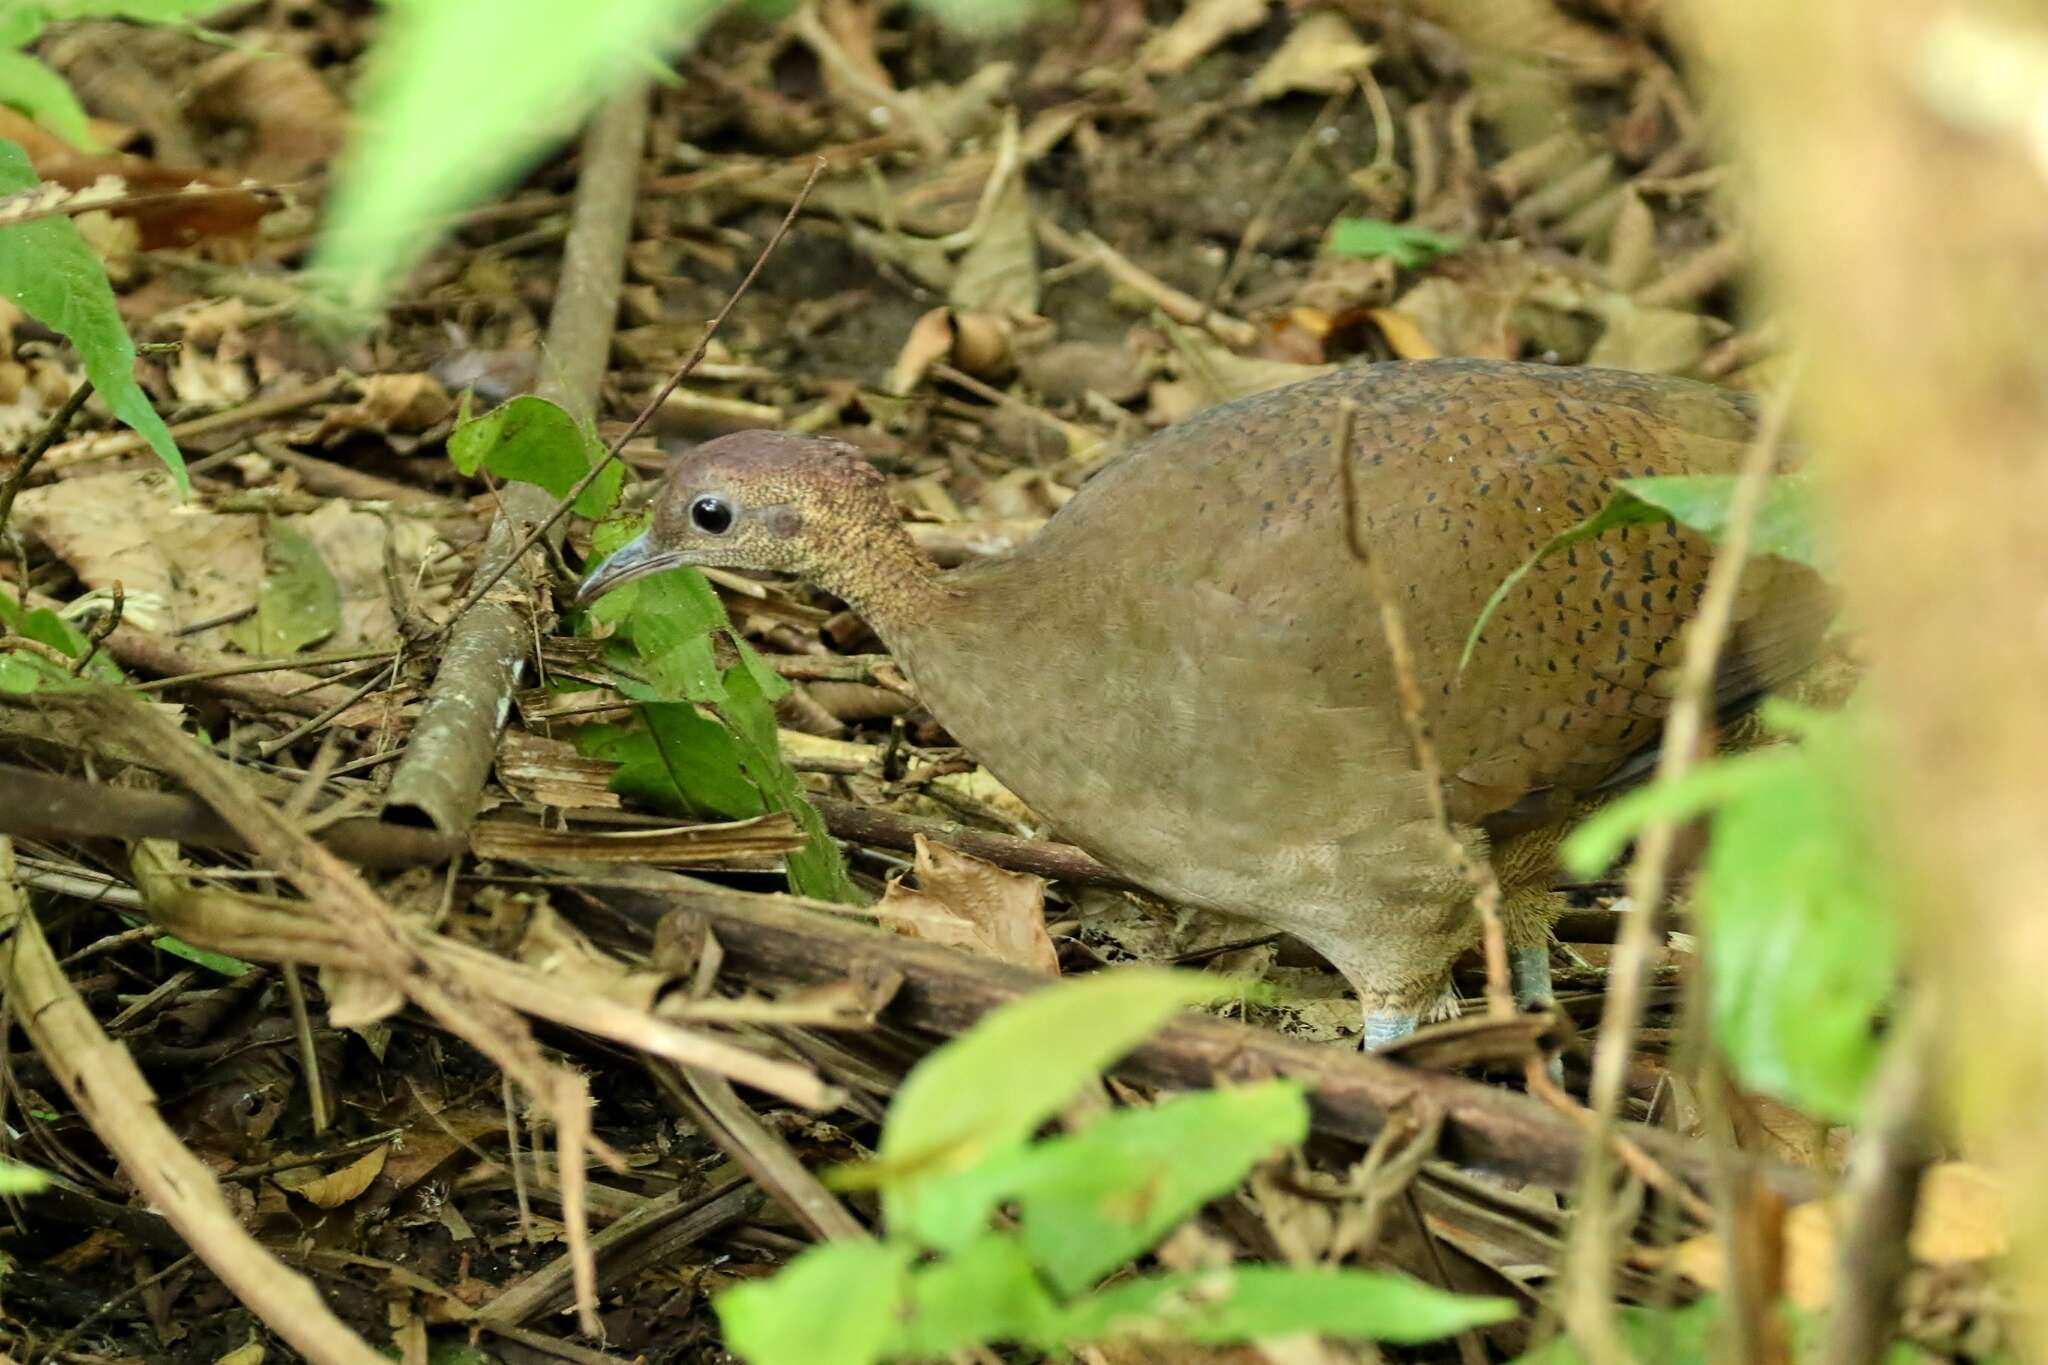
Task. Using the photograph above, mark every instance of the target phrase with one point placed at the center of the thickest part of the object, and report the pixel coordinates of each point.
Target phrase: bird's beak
(637, 558)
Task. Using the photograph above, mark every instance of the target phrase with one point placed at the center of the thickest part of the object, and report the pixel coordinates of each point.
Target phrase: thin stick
(1500, 997)
(1587, 1305)
(52, 432)
(653, 405)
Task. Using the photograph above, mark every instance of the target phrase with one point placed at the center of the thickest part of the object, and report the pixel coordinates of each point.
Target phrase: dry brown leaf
(999, 272)
(1200, 28)
(356, 546)
(1323, 55)
(930, 341)
(968, 903)
(1652, 340)
(297, 120)
(332, 1189)
(387, 403)
(1960, 1219)
(1225, 375)
(1460, 318)
(1404, 335)
(169, 218)
(356, 999)
(177, 563)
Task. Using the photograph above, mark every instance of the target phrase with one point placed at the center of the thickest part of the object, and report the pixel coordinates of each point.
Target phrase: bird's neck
(890, 583)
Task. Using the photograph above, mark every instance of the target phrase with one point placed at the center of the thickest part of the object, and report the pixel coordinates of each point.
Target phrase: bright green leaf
(461, 96)
(1796, 893)
(530, 440)
(1243, 1303)
(16, 1178)
(298, 602)
(675, 760)
(1407, 247)
(26, 84)
(1784, 525)
(983, 1093)
(47, 269)
(1787, 519)
(1091, 1202)
(988, 1292)
(22, 672)
(837, 1304)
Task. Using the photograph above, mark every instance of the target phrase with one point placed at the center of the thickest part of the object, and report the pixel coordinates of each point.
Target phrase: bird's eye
(711, 515)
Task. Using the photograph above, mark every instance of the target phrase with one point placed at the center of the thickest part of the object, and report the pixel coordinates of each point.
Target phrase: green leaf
(987, 1292)
(1243, 1303)
(1796, 893)
(1669, 1336)
(836, 1304)
(458, 100)
(219, 963)
(1784, 525)
(1089, 1203)
(298, 602)
(22, 672)
(16, 1178)
(677, 760)
(47, 269)
(26, 84)
(1038, 1051)
(1407, 247)
(1787, 518)
(531, 440)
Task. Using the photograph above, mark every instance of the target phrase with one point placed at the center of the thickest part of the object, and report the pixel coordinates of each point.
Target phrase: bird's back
(1210, 649)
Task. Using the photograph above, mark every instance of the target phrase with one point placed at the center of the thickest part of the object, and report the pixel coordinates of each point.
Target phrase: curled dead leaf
(332, 1189)
(1323, 55)
(967, 903)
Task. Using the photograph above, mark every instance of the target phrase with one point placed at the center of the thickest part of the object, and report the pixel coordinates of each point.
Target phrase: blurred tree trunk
(1897, 154)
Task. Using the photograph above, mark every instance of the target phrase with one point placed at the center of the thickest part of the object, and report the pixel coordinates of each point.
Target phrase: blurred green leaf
(48, 270)
(531, 440)
(1669, 1336)
(837, 1304)
(462, 96)
(986, 1292)
(26, 84)
(16, 1178)
(1246, 1302)
(298, 602)
(947, 1116)
(1407, 247)
(1784, 525)
(1087, 1204)
(1797, 895)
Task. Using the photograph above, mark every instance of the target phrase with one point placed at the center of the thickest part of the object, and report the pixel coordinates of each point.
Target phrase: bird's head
(804, 505)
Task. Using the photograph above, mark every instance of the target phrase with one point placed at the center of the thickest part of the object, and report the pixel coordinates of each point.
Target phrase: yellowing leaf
(332, 1189)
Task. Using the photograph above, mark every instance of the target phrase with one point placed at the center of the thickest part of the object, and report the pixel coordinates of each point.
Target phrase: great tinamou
(1186, 673)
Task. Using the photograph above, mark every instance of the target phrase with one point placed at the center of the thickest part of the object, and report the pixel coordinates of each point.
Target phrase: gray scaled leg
(1384, 1028)
(1529, 974)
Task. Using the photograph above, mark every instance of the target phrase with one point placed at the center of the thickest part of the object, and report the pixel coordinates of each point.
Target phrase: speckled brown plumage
(1185, 673)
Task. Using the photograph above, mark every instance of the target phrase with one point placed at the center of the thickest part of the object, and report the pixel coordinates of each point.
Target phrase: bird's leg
(1384, 1028)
